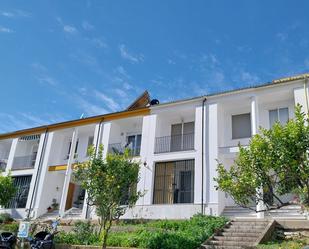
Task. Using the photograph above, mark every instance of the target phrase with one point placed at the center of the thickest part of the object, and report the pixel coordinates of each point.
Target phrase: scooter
(7, 240)
(44, 239)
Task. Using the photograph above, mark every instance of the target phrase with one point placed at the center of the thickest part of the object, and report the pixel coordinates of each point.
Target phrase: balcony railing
(174, 143)
(3, 163)
(24, 162)
(118, 148)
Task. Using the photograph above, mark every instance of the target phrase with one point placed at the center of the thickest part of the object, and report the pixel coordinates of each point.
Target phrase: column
(301, 96)
(105, 137)
(254, 131)
(38, 209)
(212, 195)
(11, 155)
(147, 151)
(68, 173)
(97, 136)
(36, 174)
(199, 179)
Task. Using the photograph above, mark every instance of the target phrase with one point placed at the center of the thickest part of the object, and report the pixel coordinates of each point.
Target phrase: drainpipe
(38, 173)
(96, 152)
(306, 94)
(203, 117)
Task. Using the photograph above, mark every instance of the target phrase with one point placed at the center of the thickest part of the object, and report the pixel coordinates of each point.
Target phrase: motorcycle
(7, 240)
(44, 239)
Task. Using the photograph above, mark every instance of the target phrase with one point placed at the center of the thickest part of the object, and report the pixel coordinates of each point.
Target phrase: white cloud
(47, 80)
(69, 29)
(87, 26)
(5, 30)
(15, 13)
(89, 108)
(134, 58)
(97, 42)
(20, 121)
(108, 101)
(249, 78)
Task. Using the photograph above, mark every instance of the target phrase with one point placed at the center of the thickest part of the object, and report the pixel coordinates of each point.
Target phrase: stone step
(237, 234)
(234, 238)
(230, 243)
(220, 247)
(248, 227)
(240, 230)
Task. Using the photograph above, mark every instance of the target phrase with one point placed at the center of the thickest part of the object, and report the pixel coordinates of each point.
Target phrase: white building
(177, 143)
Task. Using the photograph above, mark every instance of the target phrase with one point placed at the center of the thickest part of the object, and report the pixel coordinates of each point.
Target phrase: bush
(83, 233)
(167, 234)
(12, 227)
(6, 218)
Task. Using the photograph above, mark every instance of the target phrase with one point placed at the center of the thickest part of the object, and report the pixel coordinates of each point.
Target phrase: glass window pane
(273, 117)
(241, 126)
(284, 115)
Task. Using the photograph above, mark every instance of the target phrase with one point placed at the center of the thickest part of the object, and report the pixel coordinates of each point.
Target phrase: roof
(137, 108)
(142, 101)
(267, 84)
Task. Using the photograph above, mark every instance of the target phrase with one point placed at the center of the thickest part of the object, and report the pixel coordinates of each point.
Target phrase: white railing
(24, 162)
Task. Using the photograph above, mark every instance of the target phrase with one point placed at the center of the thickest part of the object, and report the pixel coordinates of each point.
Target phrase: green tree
(7, 189)
(110, 184)
(276, 161)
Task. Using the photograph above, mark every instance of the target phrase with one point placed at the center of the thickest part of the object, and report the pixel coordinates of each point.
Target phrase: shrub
(12, 227)
(167, 234)
(6, 218)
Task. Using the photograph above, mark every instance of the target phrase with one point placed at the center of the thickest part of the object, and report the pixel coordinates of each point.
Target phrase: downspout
(306, 94)
(203, 117)
(38, 173)
(96, 151)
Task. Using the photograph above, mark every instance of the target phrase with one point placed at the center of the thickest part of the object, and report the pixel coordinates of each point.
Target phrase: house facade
(177, 143)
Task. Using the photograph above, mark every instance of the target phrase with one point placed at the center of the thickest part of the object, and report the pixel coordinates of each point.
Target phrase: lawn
(285, 244)
(167, 234)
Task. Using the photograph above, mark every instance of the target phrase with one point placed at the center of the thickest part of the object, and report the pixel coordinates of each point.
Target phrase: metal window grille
(30, 137)
(22, 184)
(174, 182)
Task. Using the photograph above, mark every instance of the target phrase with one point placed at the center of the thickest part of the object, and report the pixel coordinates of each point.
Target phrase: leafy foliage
(7, 189)
(110, 184)
(185, 234)
(275, 161)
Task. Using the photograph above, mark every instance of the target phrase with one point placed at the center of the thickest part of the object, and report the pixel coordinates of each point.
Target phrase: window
(278, 115)
(182, 136)
(134, 144)
(90, 143)
(241, 126)
(174, 182)
(22, 184)
(69, 149)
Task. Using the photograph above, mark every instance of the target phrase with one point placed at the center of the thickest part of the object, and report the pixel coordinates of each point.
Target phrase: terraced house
(178, 144)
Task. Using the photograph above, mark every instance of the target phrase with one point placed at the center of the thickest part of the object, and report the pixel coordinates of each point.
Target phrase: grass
(285, 244)
(167, 234)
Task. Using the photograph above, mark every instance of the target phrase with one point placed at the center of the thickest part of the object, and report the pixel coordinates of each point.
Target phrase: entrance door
(69, 202)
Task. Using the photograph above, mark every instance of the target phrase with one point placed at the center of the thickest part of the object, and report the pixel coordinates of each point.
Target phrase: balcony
(24, 162)
(118, 148)
(182, 142)
(3, 163)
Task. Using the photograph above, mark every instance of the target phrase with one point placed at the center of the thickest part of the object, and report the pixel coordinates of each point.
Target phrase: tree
(7, 189)
(110, 184)
(276, 162)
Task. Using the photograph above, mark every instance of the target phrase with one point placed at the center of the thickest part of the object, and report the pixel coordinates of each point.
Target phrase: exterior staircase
(239, 234)
(73, 214)
(291, 212)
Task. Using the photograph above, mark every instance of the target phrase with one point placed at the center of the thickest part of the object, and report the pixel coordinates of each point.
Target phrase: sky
(60, 60)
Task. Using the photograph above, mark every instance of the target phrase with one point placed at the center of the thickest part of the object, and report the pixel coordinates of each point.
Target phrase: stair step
(230, 243)
(237, 234)
(234, 238)
(220, 247)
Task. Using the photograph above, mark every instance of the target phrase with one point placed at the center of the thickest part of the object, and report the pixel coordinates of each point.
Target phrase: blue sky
(60, 59)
